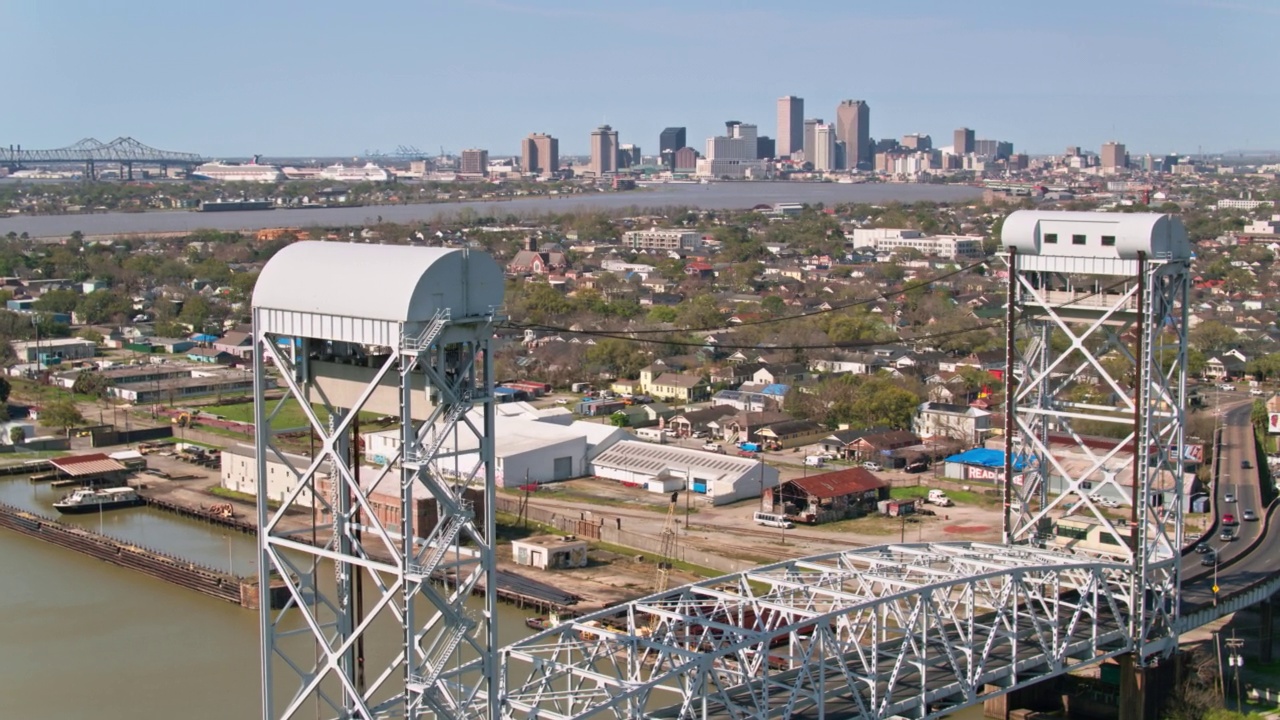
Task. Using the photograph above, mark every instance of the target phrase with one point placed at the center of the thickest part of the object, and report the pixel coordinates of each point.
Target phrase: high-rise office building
(628, 156)
(540, 154)
(604, 150)
(963, 142)
(671, 140)
(992, 149)
(917, 142)
(685, 159)
(790, 125)
(1114, 156)
(824, 148)
(809, 125)
(474, 162)
(853, 126)
(766, 148)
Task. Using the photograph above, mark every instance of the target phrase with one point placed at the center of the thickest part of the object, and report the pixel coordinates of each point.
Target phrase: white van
(773, 520)
(814, 460)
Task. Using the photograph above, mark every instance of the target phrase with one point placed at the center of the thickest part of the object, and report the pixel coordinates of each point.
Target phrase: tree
(5, 389)
(17, 435)
(58, 301)
(1211, 336)
(773, 305)
(617, 357)
(61, 413)
(195, 311)
(619, 419)
(101, 306)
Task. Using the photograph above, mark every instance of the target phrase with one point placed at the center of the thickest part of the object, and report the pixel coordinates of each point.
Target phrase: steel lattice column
(1097, 363)
(373, 556)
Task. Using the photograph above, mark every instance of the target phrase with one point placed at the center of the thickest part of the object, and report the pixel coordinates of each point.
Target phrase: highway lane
(1247, 559)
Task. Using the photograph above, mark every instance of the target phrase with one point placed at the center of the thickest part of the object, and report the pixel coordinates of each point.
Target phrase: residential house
(645, 415)
(685, 388)
(734, 374)
(840, 442)
(747, 401)
(832, 496)
(687, 423)
(780, 374)
(1230, 364)
(791, 433)
(878, 447)
(746, 426)
(211, 356)
(852, 363)
(237, 343)
(958, 422)
(531, 261)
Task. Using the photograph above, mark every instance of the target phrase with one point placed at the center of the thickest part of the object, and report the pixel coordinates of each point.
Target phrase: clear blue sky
(333, 77)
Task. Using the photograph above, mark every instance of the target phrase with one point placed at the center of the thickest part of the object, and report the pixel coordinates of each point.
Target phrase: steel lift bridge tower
(1097, 346)
(396, 331)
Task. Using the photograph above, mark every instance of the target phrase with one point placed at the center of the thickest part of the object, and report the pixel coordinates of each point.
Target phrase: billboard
(1273, 423)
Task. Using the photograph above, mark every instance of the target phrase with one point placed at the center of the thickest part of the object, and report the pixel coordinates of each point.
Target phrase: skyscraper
(766, 148)
(604, 150)
(917, 142)
(853, 126)
(963, 142)
(671, 140)
(790, 125)
(474, 162)
(540, 154)
(628, 156)
(824, 147)
(809, 125)
(1113, 156)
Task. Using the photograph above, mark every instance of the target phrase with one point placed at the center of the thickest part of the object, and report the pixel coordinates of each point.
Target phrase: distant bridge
(89, 152)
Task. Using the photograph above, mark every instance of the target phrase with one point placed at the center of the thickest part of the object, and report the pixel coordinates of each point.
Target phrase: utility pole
(1236, 661)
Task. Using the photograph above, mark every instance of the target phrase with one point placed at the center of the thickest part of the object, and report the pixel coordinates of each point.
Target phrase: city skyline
(460, 95)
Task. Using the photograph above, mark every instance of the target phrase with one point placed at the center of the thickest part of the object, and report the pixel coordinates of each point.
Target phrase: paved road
(1249, 557)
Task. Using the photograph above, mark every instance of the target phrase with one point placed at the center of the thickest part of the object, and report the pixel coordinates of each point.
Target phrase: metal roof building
(663, 468)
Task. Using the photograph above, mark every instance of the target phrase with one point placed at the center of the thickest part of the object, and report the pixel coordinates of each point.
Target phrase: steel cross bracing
(915, 630)
(417, 576)
(122, 149)
(1127, 340)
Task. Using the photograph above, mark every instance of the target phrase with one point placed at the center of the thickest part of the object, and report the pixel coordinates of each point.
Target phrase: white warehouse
(664, 468)
(527, 449)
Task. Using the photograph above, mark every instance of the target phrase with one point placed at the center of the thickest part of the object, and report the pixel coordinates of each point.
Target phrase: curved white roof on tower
(390, 283)
(1096, 234)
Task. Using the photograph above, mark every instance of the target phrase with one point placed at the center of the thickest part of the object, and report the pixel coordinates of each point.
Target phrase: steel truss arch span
(91, 150)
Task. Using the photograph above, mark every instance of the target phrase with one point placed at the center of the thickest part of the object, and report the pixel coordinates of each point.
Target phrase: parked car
(1249, 515)
(712, 447)
(873, 467)
(1256, 392)
(1227, 387)
(748, 454)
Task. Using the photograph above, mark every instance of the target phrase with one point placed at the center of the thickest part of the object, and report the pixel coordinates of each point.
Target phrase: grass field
(290, 415)
(966, 497)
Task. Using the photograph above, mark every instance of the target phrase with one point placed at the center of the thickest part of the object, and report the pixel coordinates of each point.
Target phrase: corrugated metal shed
(85, 465)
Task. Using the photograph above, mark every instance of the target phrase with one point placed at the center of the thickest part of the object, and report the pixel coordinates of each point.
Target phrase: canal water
(80, 638)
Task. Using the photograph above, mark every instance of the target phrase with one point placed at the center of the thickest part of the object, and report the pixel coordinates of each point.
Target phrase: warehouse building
(530, 448)
(240, 474)
(722, 479)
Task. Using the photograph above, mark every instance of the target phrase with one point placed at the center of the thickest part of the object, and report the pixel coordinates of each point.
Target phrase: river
(714, 196)
(82, 638)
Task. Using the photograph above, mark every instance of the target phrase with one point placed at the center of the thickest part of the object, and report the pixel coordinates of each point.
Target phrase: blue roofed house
(210, 356)
(980, 464)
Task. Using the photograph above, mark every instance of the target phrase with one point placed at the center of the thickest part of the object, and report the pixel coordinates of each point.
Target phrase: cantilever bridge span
(89, 152)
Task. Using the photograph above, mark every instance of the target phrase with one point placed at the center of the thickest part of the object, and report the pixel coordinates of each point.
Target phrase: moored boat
(87, 500)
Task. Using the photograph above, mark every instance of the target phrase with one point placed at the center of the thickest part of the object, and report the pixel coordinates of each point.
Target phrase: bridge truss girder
(361, 569)
(89, 150)
(913, 630)
(1133, 344)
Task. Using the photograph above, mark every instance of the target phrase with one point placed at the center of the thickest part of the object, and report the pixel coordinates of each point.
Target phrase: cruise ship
(225, 172)
(368, 173)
